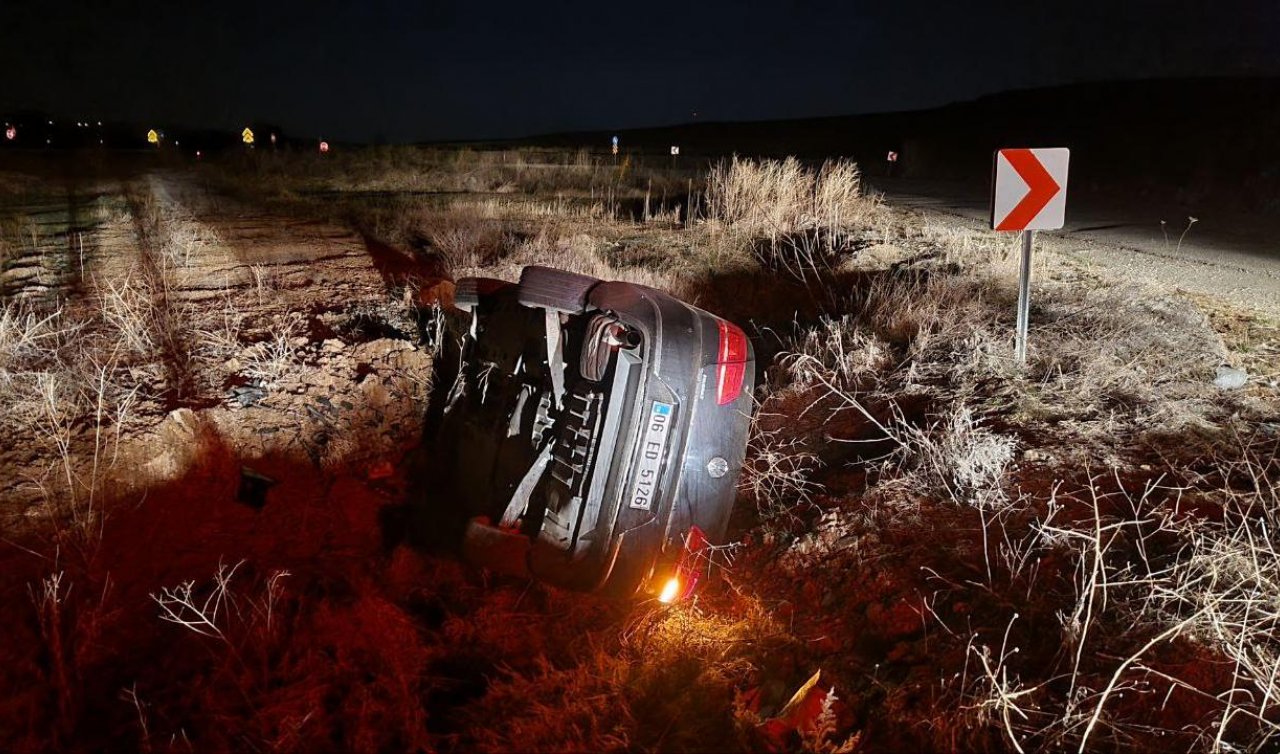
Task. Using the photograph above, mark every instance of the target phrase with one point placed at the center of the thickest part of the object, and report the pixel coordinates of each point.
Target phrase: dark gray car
(594, 432)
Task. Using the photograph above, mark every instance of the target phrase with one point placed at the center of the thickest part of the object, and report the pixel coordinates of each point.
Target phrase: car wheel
(556, 290)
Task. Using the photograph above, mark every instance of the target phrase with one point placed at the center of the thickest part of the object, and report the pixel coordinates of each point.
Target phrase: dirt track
(286, 334)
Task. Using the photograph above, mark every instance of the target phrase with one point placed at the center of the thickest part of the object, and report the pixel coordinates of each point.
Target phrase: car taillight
(731, 363)
(690, 570)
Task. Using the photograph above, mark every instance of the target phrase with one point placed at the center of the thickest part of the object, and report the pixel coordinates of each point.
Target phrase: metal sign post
(1029, 193)
(1024, 299)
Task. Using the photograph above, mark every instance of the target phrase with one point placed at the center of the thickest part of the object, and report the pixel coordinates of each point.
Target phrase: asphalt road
(1234, 256)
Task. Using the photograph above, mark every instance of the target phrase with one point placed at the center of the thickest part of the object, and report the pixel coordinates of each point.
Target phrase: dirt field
(212, 379)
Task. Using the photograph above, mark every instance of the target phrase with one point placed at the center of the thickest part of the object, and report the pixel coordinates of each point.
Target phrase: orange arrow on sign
(1042, 189)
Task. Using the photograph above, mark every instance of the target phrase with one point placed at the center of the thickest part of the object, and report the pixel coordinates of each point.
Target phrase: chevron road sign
(1030, 189)
(1029, 193)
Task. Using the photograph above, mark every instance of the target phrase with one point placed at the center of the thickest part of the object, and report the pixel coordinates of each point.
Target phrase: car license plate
(652, 451)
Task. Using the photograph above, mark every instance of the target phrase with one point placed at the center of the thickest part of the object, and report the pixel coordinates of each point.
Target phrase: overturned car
(593, 433)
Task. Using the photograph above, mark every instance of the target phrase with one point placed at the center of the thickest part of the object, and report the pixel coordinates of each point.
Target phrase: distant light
(324, 147)
(99, 124)
(11, 133)
(669, 591)
(273, 140)
(197, 154)
(177, 143)
(51, 123)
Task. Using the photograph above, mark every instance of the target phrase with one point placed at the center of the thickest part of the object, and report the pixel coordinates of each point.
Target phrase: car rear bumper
(631, 540)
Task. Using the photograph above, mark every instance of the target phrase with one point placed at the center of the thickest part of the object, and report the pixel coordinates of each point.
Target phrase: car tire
(556, 290)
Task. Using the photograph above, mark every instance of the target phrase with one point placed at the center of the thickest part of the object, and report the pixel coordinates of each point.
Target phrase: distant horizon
(61, 118)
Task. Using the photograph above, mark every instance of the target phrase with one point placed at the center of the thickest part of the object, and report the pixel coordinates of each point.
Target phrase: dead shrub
(836, 349)
(466, 240)
(777, 472)
(957, 458)
(796, 220)
(290, 674)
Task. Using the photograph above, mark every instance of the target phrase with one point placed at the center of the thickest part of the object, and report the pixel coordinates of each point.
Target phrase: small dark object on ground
(253, 488)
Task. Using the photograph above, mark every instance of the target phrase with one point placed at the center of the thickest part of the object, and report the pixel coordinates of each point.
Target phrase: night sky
(404, 71)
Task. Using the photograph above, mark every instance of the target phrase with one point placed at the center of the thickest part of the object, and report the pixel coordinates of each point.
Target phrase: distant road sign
(152, 137)
(324, 147)
(675, 151)
(11, 133)
(247, 136)
(893, 157)
(1030, 189)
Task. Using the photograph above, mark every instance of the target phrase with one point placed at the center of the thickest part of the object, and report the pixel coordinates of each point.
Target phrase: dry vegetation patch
(1073, 554)
(981, 553)
(1033, 587)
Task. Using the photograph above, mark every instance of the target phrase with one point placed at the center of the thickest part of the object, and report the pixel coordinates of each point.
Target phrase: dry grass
(1152, 583)
(958, 459)
(250, 625)
(466, 239)
(30, 339)
(57, 376)
(1076, 554)
(127, 307)
(772, 198)
(646, 687)
(1224, 594)
(224, 339)
(1110, 369)
(916, 359)
(796, 220)
(410, 170)
(778, 471)
(269, 361)
(835, 350)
